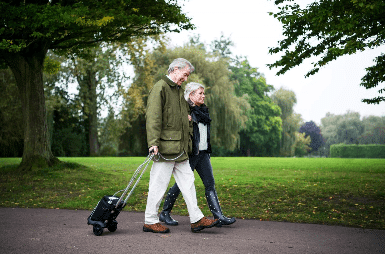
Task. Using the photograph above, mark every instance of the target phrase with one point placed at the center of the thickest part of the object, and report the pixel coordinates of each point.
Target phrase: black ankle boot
(166, 218)
(171, 197)
(215, 208)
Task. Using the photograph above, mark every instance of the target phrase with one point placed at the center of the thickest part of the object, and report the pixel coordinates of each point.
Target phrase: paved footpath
(66, 231)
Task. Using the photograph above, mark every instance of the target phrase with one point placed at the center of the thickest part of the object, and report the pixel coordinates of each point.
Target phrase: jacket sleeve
(154, 116)
(190, 131)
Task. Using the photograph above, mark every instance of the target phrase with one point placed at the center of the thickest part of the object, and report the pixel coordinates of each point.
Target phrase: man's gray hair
(190, 88)
(180, 63)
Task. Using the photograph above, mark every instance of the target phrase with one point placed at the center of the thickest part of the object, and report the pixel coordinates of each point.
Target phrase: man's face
(180, 75)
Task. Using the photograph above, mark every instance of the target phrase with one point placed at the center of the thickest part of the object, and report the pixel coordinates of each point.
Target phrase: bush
(108, 150)
(67, 142)
(357, 151)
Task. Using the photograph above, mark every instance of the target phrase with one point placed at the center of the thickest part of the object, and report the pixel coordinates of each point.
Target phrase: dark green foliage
(261, 136)
(11, 123)
(312, 130)
(329, 29)
(83, 23)
(109, 135)
(68, 132)
(357, 151)
(301, 144)
(133, 142)
(300, 152)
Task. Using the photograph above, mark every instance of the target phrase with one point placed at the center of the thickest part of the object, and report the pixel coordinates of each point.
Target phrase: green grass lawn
(349, 192)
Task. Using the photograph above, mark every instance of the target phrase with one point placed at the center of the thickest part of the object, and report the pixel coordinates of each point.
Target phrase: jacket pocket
(170, 142)
(171, 119)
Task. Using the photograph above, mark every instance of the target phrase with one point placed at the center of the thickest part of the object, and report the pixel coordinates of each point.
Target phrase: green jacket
(167, 123)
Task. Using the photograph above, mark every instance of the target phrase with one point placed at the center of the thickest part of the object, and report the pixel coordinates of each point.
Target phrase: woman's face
(198, 96)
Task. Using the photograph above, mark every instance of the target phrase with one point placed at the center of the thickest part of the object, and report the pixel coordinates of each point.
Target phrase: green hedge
(357, 151)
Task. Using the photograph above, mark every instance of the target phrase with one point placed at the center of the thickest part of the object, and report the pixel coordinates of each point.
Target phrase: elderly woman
(200, 157)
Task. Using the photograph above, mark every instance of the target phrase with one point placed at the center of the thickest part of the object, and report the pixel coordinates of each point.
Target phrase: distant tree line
(250, 117)
(348, 128)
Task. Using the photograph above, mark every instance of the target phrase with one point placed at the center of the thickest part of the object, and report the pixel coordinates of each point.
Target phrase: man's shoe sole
(150, 230)
(197, 229)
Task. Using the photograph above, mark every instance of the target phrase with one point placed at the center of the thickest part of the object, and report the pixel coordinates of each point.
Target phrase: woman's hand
(189, 118)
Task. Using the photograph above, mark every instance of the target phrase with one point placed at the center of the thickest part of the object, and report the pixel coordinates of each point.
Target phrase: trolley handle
(137, 171)
(150, 156)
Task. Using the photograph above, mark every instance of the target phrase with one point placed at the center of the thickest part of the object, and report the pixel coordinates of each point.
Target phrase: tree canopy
(374, 130)
(329, 29)
(262, 134)
(30, 28)
(291, 121)
(346, 128)
(69, 24)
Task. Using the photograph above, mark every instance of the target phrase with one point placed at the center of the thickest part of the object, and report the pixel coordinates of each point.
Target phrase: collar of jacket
(169, 81)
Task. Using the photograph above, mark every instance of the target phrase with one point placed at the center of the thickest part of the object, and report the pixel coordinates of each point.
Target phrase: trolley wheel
(98, 230)
(112, 227)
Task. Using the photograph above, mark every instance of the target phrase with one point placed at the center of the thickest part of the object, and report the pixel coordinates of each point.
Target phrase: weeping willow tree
(291, 121)
(226, 109)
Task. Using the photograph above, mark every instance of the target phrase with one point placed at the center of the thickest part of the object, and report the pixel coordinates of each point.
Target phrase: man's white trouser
(160, 178)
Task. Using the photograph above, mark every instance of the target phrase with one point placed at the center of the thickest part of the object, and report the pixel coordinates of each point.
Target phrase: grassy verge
(349, 192)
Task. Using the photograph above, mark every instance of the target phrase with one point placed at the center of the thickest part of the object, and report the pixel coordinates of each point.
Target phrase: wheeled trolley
(107, 210)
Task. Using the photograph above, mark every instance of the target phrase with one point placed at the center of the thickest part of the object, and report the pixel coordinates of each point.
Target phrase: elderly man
(168, 134)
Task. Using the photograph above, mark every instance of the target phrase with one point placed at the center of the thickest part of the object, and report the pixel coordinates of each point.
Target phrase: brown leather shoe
(203, 223)
(155, 228)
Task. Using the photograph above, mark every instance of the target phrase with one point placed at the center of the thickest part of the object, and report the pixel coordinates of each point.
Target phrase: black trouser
(202, 164)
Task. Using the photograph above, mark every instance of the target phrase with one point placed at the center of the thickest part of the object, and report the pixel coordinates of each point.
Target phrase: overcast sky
(335, 88)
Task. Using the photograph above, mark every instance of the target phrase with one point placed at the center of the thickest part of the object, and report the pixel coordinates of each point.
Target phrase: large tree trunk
(93, 117)
(88, 84)
(27, 66)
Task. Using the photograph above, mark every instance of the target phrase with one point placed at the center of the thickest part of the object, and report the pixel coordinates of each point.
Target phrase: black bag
(104, 215)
